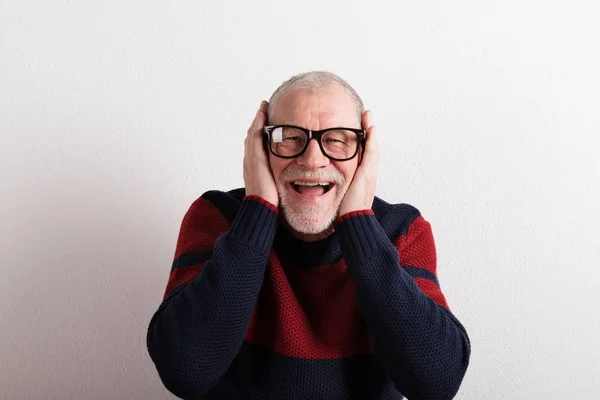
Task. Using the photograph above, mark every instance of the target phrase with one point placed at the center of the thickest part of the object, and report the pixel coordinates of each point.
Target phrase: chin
(308, 220)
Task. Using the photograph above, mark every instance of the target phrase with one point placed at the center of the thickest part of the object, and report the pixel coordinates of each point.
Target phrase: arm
(424, 349)
(421, 345)
(198, 329)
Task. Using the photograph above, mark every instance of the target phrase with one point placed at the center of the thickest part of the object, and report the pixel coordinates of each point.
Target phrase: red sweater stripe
(297, 314)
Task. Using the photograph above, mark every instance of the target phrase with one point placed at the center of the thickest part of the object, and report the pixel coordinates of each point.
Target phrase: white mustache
(318, 175)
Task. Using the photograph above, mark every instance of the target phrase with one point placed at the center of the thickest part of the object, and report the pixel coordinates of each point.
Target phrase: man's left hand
(361, 192)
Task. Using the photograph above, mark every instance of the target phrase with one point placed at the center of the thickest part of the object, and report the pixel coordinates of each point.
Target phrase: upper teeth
(311, 183)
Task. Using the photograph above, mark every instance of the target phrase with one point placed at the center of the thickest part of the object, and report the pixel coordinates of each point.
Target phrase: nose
(313, 157)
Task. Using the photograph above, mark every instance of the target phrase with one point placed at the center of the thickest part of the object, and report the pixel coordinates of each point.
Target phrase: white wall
(115, 116)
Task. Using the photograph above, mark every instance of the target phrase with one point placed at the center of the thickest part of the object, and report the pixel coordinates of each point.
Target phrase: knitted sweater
(251, 312)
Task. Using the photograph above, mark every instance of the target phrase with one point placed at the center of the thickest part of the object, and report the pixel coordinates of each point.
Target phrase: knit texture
(252, 312)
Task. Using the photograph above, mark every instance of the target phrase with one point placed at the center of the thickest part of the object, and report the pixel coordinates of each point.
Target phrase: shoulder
(219, 197)
(225, 203)
(396, 219)
(207, 218)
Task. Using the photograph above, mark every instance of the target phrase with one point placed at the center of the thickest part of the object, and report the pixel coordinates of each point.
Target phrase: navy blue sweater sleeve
(199, 328)
(422, 346)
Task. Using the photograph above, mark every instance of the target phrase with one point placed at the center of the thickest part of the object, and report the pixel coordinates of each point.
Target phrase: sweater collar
(302, 254)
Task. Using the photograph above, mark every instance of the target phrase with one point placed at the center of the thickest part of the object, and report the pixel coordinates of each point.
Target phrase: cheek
(278, 165)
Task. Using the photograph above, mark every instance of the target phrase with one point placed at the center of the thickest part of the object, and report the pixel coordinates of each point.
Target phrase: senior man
(304, 285)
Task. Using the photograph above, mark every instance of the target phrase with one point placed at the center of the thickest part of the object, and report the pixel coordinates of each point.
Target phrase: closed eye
(334, 141)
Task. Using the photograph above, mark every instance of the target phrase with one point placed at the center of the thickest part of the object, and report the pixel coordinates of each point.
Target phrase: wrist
(271, 198)
(352, 208)
(349, 214)
(263, 201)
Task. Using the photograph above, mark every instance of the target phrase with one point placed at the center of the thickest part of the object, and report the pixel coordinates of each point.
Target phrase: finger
(252, 127)
(261, 119)
(262, 114)
(257, 136)
(250, 134)
(261, 110)
(367, 119)
(371, 145)
(264, 107)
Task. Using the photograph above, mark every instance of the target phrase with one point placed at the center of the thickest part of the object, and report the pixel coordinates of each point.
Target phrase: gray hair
(314, 80)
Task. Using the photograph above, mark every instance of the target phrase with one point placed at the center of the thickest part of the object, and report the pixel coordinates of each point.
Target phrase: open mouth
(311, 188)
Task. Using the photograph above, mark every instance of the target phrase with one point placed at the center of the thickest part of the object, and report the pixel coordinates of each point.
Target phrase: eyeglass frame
(317, 135)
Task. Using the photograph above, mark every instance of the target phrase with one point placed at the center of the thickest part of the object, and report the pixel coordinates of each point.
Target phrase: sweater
(251, 312)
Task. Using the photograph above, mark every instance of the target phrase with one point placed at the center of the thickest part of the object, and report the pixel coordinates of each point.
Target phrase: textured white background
(115, 116)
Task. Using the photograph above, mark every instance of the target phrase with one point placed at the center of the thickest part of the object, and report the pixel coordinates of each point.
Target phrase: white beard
(309, 219)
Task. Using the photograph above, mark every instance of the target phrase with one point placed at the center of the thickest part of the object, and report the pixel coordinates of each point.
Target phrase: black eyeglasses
(338, 144)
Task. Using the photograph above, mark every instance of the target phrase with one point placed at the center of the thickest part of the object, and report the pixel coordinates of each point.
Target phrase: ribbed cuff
(262, 201)
(255, 224)
(354, 214)
(360, 234)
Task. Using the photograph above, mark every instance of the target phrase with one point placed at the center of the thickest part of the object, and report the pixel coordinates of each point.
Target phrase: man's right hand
(258, 178)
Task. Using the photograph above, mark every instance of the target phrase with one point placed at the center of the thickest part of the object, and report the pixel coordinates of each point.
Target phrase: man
(305, 285)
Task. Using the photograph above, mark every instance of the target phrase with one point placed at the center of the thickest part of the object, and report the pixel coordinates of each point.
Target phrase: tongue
(311, 190)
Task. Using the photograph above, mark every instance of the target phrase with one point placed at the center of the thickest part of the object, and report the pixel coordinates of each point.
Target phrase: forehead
(315, 109)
